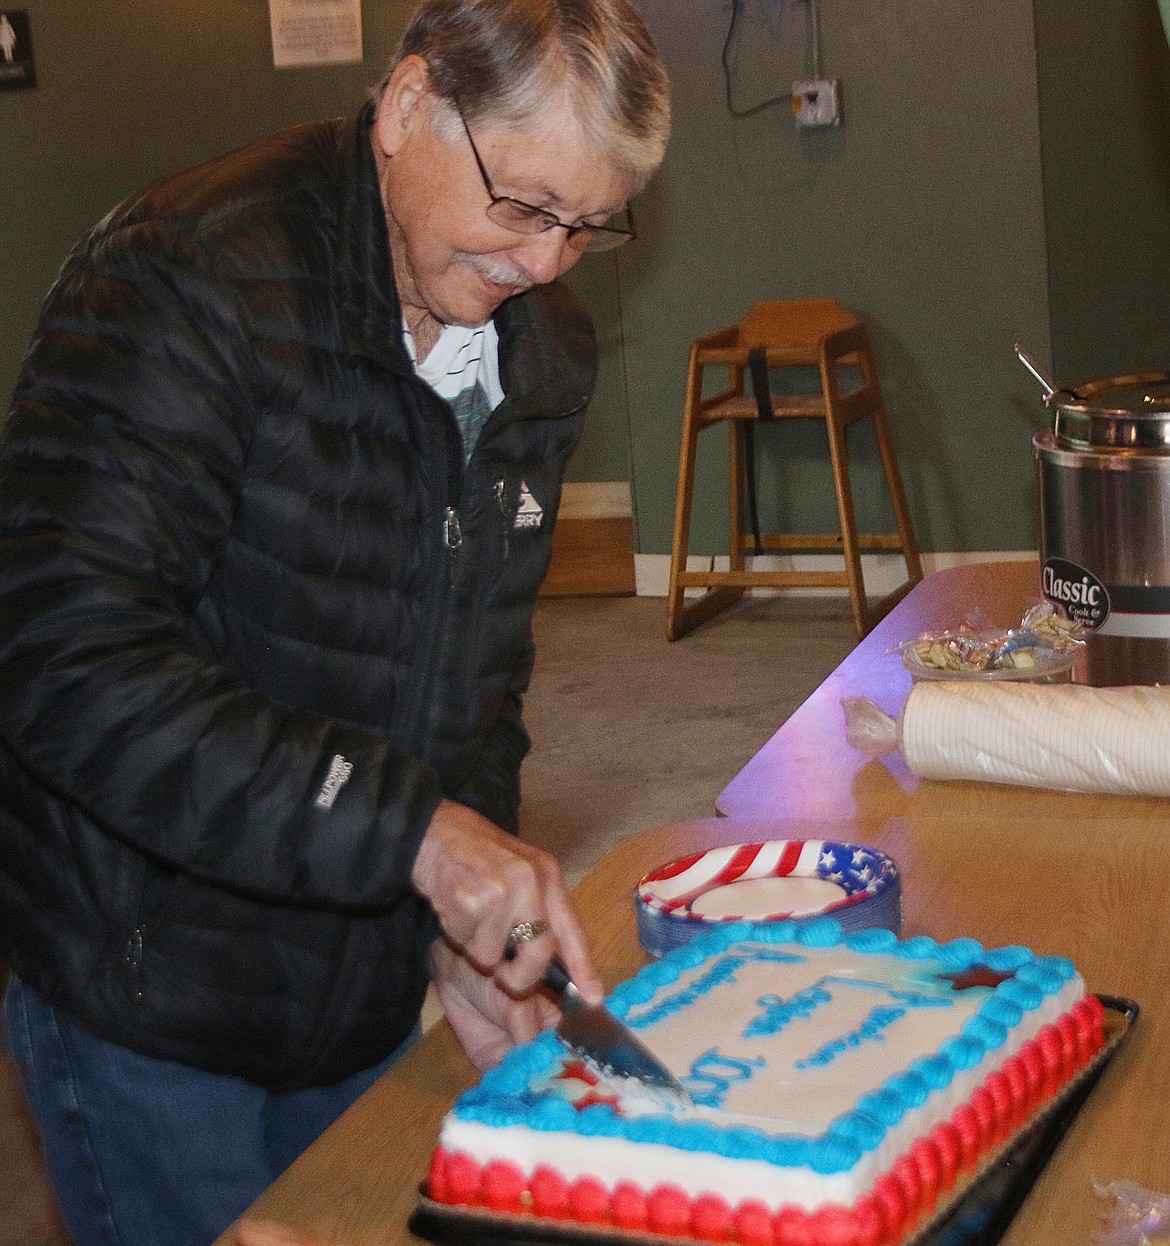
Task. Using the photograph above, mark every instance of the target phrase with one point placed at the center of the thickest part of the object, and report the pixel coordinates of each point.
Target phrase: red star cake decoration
(577, 1071)
(595, 1093)
(593, 1097)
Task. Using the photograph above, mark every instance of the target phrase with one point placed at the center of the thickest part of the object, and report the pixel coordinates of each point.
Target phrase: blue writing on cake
(712, 1075)
(722, 971)
(779, 1012)
(870, 1030)
(873, 1028)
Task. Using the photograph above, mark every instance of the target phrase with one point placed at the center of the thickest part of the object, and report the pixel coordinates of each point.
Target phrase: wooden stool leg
(897, 496)
(851, 548)
(682, 508)
(681, 617)
(735, 494)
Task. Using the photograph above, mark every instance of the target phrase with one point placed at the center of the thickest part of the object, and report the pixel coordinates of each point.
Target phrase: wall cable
(736, 6)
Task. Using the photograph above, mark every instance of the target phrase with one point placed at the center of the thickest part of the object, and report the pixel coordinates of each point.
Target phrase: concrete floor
(629, 731)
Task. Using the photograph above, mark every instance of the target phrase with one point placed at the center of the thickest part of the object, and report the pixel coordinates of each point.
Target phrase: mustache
(501, 274)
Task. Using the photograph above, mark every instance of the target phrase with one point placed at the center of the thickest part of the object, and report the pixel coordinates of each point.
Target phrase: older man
(277, 488)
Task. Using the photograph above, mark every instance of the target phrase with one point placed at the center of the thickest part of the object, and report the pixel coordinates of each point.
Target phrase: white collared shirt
(464, 368)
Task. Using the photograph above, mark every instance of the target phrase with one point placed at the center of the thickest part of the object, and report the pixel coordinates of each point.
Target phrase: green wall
(1105, 91)
(126, 93)
(1001, 176)
(922, 214)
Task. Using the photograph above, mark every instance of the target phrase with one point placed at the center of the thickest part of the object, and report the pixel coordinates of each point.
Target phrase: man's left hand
(486, 1019)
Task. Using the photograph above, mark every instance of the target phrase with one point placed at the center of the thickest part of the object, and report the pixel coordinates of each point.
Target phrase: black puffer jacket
(256, 617)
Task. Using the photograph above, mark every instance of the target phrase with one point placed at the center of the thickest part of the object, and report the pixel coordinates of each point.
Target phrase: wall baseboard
(883, 572)
(593, 543)
(593, 553)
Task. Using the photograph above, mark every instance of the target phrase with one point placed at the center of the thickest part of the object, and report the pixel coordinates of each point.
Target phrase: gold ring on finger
(524, 932)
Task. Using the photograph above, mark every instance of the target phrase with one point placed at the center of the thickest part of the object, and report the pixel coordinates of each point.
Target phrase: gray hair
(502, 61)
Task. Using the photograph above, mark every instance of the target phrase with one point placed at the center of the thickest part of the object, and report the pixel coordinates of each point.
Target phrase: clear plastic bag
(1044, 644)
(869, 729)
(1138, 1217)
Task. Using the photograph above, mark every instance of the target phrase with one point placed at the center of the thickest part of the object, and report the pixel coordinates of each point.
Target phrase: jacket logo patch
(529, 512)
(339, 771)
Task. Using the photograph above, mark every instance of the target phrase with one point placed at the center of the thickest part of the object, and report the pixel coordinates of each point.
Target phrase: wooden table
(808, 770)
(1087, 877)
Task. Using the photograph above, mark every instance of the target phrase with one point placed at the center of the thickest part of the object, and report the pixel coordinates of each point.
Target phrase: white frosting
(753, 898)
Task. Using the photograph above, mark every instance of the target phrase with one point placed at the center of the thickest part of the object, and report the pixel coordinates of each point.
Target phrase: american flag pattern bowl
(777, 880)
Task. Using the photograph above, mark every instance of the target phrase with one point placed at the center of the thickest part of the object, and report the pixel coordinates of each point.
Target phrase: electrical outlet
(815, 103)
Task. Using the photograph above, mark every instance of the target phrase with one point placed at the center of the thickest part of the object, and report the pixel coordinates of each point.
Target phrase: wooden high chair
(807, 333)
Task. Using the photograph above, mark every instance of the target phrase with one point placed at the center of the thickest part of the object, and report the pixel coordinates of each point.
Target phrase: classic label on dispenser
(1141, 610)
(1085, 599)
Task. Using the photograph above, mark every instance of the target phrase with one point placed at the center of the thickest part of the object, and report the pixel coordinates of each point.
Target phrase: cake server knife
(595, 1033)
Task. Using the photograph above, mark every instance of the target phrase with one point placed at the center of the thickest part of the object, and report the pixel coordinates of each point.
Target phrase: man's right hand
(481, 882)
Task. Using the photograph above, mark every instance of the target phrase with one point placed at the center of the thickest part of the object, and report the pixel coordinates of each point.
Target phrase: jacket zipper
(450, 540)
(133, 960)
(148, 924)
(452, 533)
(501, 488)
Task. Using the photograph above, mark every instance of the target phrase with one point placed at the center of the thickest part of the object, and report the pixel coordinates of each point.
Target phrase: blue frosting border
(502, 1097)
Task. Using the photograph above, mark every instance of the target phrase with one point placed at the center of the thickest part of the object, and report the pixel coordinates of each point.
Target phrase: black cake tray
(978, 1216)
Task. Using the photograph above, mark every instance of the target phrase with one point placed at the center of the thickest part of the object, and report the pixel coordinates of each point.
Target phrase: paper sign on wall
(315, 32)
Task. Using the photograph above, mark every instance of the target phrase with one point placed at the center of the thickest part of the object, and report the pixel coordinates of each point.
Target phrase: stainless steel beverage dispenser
(1104, 473)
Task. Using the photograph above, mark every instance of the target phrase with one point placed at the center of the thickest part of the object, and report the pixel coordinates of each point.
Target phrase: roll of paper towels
(1065, 736)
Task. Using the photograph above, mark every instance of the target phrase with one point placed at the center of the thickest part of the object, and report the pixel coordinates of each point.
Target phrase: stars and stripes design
(867, 877)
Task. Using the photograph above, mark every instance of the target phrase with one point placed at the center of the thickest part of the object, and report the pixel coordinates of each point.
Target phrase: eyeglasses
(526, 218)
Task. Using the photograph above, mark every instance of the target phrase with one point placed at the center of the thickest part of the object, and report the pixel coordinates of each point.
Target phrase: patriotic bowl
(780, 879)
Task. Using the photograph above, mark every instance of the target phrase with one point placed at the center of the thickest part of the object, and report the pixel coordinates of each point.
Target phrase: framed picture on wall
(17, 70)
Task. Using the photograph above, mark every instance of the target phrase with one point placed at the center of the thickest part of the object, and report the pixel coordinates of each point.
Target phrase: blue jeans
(145, 1152)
